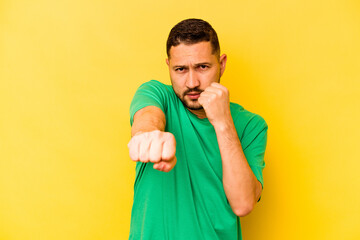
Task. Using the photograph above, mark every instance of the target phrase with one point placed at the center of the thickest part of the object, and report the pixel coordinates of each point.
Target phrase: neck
(199, 113)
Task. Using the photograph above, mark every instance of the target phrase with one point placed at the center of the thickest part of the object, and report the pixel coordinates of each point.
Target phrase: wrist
(145, 131)
(224, 126)
(138, 133)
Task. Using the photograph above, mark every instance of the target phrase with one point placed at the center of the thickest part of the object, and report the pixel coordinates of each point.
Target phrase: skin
(193, 68)
(149, 142)
(195, 75)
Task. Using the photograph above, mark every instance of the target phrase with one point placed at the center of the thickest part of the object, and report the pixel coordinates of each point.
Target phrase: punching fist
(156, 146)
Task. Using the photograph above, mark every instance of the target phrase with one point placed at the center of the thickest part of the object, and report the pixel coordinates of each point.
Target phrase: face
(192, 69)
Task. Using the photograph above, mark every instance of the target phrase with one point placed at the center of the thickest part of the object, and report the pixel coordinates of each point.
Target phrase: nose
(192, 80)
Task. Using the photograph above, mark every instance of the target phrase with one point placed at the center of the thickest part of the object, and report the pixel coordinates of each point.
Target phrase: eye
(203, 66)
(179, 69)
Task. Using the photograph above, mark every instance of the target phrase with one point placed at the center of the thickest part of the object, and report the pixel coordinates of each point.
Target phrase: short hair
(191, 31)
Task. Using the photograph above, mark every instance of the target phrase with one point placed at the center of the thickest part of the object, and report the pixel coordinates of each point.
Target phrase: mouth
(193, 95)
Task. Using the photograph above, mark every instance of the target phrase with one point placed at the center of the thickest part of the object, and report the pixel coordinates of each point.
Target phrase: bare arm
(241, 187)
(148, 119)
(240, 184)
(149, 142)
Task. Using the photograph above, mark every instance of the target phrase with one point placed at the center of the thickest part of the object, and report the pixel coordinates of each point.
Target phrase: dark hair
(191, 31)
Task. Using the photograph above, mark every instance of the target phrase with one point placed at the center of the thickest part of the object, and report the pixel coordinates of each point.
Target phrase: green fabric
(189, 202)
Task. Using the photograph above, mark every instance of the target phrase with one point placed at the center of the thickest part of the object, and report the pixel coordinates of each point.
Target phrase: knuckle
(143, 155)
(142, 158)
(168, 135)
(155, 133)
(172, 138)
(154, 157)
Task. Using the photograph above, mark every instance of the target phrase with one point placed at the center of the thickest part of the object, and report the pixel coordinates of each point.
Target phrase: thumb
(165, 166)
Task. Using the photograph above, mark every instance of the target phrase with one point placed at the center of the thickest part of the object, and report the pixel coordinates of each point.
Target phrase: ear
(167, 62)
(222, 61)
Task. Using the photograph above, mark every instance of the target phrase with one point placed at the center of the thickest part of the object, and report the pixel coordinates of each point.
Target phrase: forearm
(240, 184)
(148, 119)
(149, 145)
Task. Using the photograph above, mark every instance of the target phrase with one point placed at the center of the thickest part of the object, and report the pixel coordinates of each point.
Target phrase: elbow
(244, 210)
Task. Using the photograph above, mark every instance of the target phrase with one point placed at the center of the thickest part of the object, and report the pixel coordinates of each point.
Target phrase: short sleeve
(152, 93)
(254, 141)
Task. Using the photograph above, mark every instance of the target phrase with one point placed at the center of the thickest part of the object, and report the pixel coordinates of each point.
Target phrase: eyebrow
(203, 63)
(180, 66)
(196, 65)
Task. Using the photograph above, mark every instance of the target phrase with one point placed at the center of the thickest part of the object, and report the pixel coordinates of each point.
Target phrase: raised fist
(157, 147)
(215, 101)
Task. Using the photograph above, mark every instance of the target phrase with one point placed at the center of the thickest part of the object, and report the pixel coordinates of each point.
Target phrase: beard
(192, 104)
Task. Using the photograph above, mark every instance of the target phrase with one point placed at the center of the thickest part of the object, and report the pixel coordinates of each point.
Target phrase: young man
(199, 157)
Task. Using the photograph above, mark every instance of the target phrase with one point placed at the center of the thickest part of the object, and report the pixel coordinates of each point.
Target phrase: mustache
(192, 90)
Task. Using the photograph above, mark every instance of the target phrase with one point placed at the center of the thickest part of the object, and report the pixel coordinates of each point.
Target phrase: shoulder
(152, 93)
(154, 85)
(240, 114)
(153, 90)
(246, 121)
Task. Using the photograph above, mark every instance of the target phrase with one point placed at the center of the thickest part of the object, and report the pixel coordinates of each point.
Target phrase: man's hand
(156, 146)
(215, 101)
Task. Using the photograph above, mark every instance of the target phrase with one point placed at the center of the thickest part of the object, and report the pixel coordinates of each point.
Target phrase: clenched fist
(156, 147)
(215, 101)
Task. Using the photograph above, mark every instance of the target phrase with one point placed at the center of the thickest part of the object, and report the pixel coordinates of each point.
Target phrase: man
(199, 157)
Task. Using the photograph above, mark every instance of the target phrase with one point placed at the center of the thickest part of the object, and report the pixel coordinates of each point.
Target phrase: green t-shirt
(189, 202)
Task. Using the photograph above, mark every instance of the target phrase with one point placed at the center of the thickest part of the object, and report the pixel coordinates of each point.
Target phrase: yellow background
(68, 71)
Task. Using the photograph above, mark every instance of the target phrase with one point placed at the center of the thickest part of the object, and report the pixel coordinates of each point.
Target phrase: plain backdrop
(69, 69)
